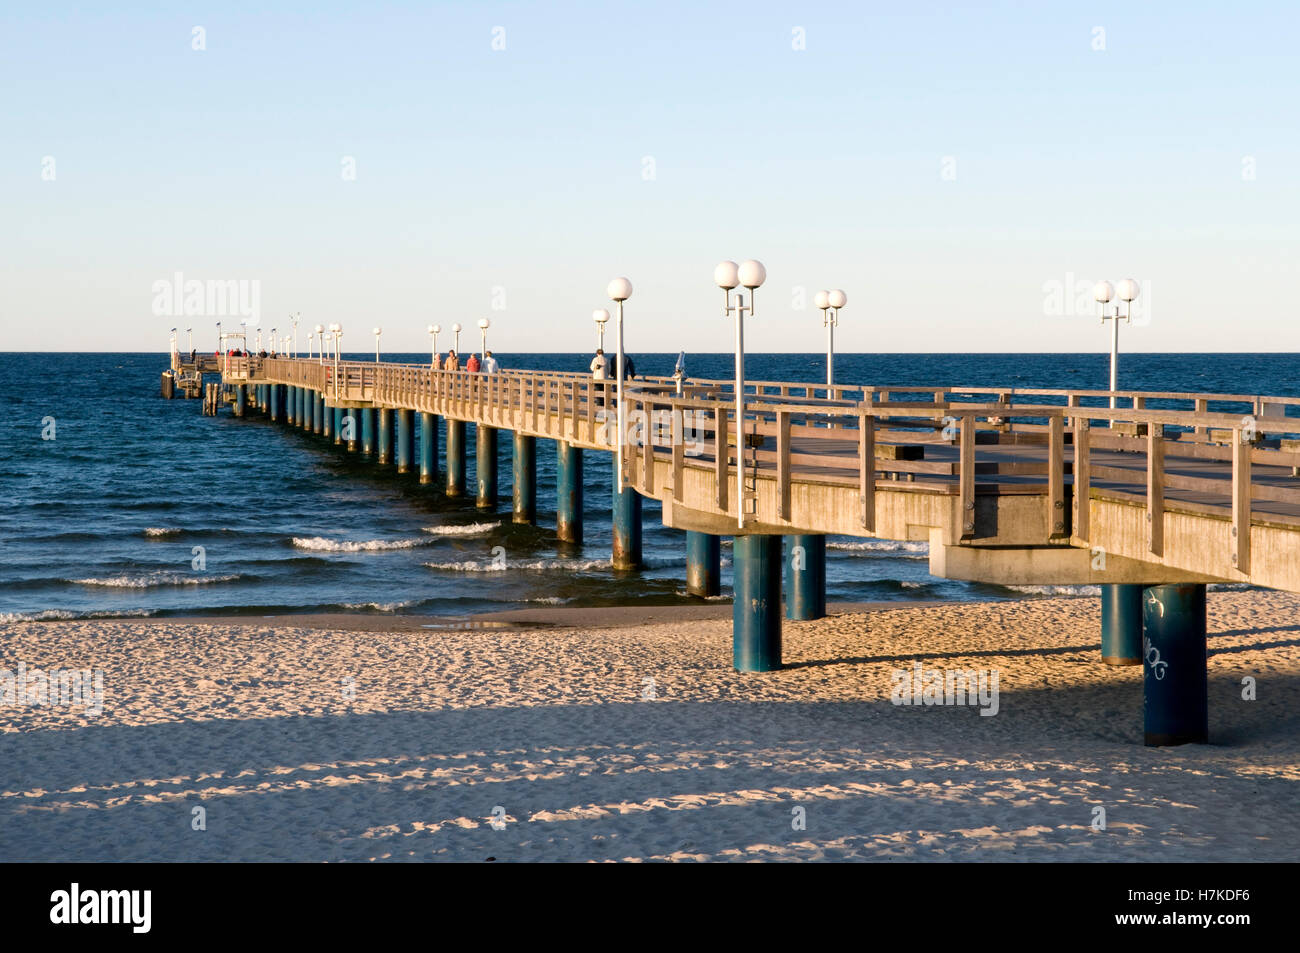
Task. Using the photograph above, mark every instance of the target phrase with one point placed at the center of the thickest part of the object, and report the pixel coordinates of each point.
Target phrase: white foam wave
(378, 606)
(1058, 590)
(155, 531)
(52, 615)
(910, 548)
(319, 544)
(153, 580)
(468, 529)
(504, 565)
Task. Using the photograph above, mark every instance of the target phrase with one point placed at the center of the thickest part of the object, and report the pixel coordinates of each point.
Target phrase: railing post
(1155, 489)
(1082, 478)
(867, 471)
(1056, 477)
(966, 488)
(1241, 464)
(783, 465)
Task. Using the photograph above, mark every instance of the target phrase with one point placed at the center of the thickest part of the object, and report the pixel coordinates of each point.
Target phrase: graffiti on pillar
(1152, 656)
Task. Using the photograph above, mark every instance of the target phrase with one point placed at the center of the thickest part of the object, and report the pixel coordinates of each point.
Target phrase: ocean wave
(725, 597)
(548, 600)
(322, 545)
(912, 549)
(53, 615)
(154, 580)
(1057, 590)
(467, 529)
(379, 606)
(504, 565)
(156, 531)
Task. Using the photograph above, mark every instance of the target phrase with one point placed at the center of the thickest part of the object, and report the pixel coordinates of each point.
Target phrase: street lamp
(751, 275)
(600, 316)
(273, 339)
(483, 325)
(338, 347)
(455, 329)
(218, 337)
(1102, 292)
(189, 339)
(376, 332)
(293, 319)
(619, 290)
(320, 337)
(433, 350)
(830, 303)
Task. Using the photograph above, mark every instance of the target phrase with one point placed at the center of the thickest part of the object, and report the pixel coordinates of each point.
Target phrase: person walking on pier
(629, 369)
(599, 367)
(472, 365)
(452, 363)
(490, 365)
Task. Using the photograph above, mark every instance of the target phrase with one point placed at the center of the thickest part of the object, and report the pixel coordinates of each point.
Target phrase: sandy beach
(554, 739)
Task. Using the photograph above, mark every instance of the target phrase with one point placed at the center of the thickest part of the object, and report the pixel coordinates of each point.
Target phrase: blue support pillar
(1121, 625)
(703, 564)
(317, 413)
(308, 409)
(351, 429)
(1175, 685)
(404, 450)
(525, 479)
(384, 416)
(338, 425)
(485, 472)
(367, 430)
(568, 492)
(455, 457)
(756, 613)
(291, 405)
(627, 525)
(276, 403)
(428, 447)
(805, 586)
(327, 420)
(241, 399)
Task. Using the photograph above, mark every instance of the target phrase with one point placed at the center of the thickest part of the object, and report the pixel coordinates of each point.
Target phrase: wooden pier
(1011, 486)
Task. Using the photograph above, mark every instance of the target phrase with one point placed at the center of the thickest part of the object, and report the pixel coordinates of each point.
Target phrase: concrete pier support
(756, 614)
(317, 413)
(703, 564)
(568, 492)
(384, 418)
(428, 447)
(367, 430)
(627, 526)
(525, 479)
(455, 457)
(291, 405)
(1174, 679)
(337, 433)
(805, 580)
(485, 472)
(304, 409)
(241, 400)
(327, 417)
(275, 403)
(350, 429)
(404, 448)
(1121, 625)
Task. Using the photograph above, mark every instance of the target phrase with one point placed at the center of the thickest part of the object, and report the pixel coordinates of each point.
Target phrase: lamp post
(751, 275)
(189, 339)
(600, 316)
(218, 337)
(483, 325)
(338, 347)
(830, 303)
(320, 338)
(376, 332)
(273, 339)
(433, 350)
(1102, 292)
(619, 290)
(455, 329)
(293, 320)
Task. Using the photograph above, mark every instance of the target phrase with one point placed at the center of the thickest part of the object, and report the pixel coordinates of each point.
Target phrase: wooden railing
(961, 441)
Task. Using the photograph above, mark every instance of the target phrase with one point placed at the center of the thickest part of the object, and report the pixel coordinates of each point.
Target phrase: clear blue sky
(522, 169)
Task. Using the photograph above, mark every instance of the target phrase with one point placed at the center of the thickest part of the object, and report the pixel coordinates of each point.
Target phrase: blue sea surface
(142, 506)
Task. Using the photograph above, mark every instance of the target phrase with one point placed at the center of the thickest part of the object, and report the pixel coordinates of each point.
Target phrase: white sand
(252, 724)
